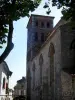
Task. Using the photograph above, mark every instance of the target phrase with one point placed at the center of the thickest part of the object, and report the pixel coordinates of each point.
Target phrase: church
(50, 59)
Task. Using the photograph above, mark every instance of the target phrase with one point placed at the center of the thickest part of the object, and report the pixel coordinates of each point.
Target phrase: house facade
(10, 94)
(5, 74)
(50, 59)
(20, 88)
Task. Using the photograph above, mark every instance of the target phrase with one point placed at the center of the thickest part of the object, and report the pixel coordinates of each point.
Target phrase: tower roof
(39, 17)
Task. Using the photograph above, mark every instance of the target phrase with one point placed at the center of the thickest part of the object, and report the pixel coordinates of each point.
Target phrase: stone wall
(67, 52)
(66, 83)
(46, 70)
(62, 83)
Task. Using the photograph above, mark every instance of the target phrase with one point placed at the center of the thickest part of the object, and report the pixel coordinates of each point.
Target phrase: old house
(20, 88)
(5, 74)
(50, 59)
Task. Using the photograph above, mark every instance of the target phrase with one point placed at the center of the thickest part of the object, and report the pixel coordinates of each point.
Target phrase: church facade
(50, 59)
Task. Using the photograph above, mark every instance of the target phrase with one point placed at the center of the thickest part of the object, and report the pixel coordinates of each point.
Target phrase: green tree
(68, 8)
(12, 10)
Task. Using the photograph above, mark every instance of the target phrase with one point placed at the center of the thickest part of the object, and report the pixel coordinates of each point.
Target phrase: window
(51, 55)
(42, 24)
(22, 93)
(52, 86)
(3, 83)
(35, 36)
(19, 92)
(42, 37)
(6, 88)
(48, 24)
(36, 23)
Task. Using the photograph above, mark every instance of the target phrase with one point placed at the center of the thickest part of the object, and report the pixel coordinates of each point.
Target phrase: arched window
(41, 63)
(33, 69)
(51, 50)
(51, 55)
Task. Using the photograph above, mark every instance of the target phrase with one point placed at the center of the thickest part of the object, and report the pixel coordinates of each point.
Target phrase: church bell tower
(39, 27)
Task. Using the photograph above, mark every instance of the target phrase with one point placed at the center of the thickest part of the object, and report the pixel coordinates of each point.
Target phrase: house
(50, 59)
(5, 74)
(10, 94)
(20, 88)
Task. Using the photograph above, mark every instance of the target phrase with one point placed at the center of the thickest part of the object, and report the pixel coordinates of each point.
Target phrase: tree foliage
(12, 10)
(68, 8)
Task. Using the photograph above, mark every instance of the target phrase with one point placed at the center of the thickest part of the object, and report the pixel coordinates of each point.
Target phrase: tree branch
(10, 45)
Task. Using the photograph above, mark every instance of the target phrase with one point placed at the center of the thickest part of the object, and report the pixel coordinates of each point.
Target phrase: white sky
(17, 58)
